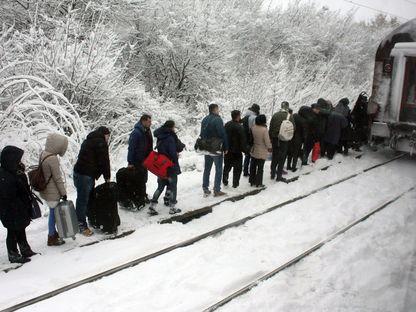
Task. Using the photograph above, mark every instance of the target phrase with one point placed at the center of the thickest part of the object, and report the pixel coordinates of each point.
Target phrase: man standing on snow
(248, 122)
(212, 129)
(237, 145)
(280, 147)
(140, 146)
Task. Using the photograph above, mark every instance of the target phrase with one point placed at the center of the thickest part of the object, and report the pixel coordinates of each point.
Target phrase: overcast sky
(405, 9)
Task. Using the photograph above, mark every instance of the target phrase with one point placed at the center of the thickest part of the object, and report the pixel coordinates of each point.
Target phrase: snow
(194, 277)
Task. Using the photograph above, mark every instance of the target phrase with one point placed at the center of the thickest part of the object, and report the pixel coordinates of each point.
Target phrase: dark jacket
(212, 126)
(236, 137)
(301, 129)
(276, 122)
(167, 145)
(15, 199)
(140, 145)
(312, 122)
(336, 122)
(93, 158)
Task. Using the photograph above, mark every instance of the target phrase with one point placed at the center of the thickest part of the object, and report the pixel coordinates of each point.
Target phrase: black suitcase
(131, 194)
(103, 209)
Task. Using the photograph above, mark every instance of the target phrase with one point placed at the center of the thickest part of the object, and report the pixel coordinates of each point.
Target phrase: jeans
(172, 188)
(256, 171)
(281, 157)
(233, 161)
(247, 158)
(217, 161)
(84, 185)
(275, 157)
(15, 237)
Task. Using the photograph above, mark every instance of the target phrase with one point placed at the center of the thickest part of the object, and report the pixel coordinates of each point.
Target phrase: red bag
(316, 152)
(158, 164)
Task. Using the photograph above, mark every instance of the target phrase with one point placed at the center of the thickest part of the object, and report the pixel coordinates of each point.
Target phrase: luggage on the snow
(130, 192)
(158, 164)
(316, 151)
(66, 219)
(102, 207)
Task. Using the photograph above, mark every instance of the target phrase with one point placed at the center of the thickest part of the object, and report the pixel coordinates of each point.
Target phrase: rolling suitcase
(103, 210)
(66, 219)
(130, 188)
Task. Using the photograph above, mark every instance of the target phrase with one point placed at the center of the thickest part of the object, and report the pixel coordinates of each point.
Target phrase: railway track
(302, 255)
(187, 242)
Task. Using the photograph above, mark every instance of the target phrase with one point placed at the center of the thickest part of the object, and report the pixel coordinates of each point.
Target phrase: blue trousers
(217, 161)
(171, 184)
(84, 185)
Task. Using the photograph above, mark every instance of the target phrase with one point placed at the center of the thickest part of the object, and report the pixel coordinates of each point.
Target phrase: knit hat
(169, 124)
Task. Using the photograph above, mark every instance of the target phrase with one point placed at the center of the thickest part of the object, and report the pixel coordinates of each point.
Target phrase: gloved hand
(64, 198)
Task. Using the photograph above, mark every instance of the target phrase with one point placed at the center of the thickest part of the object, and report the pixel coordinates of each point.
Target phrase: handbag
(158, 164)
(35, 211)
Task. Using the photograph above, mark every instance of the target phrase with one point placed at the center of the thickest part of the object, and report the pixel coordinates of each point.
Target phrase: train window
(408, 112)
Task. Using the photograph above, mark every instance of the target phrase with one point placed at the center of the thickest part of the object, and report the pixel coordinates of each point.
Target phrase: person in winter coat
(167, 145)
(310, 114)
(237, 146)
(248, 122)
(336, 122)
(325, 108)
(213, 127)
(346, 135)
(260, 151)
(360, 121)
(140, 146)
(295, 145)
(15, 204)
(93, 161)
(280, 147)
(55, 190)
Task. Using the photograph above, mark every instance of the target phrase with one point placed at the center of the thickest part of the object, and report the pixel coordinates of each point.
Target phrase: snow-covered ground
(194, 277)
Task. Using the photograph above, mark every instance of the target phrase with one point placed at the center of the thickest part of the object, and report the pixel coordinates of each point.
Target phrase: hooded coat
(56, 144)
(15, 198)
(261, 142)
(93, 159)
(336, 123)
(167, 145)
(140, 145)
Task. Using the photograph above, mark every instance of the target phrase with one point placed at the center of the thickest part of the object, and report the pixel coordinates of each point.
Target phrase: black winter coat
(15, 198)
(93, 159)
(336, 123)
(301, 129)
(236, 137)
(312, 122)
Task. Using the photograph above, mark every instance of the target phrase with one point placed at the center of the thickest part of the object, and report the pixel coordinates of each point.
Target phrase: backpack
(247, 131)
(286, 129)
(36, 177)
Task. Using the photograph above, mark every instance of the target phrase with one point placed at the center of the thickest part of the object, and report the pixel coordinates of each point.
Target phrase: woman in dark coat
(15, 204)
(360, 121)
(346, 135)
(169, 145)
(335, 126)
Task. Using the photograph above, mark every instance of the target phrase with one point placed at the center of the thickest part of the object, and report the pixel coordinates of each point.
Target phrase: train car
(392, 104)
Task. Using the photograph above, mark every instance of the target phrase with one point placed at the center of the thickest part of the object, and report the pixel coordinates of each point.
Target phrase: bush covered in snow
(69, 66)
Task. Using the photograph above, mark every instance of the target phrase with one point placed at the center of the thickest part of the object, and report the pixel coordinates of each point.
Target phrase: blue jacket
(166, 145)
(213, 127)
(140, 145)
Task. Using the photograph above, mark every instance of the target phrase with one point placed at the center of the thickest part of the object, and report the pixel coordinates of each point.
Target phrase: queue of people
(290, 137)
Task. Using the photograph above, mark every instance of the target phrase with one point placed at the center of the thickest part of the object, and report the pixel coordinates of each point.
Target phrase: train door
(408, 105)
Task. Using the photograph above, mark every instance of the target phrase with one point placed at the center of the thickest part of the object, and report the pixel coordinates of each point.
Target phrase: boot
(152, 211)
(55, 240)
(174, 210)
(219, 193)
(15, 257)
(26, 251)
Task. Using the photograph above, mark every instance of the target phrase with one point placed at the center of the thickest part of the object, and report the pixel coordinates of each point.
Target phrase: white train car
(392, 104)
